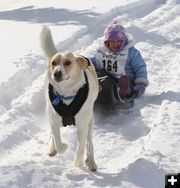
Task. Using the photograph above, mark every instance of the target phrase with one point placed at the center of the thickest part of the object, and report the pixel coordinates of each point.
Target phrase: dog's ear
(82, 62)
(49, 63)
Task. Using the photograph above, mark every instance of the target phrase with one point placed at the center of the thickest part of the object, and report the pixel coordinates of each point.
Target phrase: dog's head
(66, 66)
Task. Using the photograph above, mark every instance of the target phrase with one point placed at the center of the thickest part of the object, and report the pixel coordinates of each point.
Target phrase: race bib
(114, 64)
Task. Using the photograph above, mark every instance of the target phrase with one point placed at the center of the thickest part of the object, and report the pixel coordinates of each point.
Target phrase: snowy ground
(134, 148)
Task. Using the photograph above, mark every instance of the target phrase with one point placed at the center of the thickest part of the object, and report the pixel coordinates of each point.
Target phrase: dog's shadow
(132, 174)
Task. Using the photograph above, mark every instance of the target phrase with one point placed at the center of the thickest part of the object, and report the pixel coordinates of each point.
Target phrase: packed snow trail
(134, 147)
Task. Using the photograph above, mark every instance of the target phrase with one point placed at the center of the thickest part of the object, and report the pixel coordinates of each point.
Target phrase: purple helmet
(115, 32)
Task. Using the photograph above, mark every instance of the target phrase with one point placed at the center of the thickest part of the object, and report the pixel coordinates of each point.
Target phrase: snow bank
(134, 147)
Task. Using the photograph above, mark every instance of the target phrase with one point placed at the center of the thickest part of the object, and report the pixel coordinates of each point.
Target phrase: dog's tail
(47, 43)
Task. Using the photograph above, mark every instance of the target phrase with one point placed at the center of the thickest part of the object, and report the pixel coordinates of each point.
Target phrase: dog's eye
(67, 63)
(53, 63)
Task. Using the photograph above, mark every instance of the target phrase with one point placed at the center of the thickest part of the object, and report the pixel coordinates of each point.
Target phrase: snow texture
(135, 147)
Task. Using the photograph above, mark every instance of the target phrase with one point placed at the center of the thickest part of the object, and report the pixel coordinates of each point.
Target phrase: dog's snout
(58, 75)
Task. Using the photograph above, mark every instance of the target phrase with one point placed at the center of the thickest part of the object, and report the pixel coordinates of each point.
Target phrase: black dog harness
(68, 112)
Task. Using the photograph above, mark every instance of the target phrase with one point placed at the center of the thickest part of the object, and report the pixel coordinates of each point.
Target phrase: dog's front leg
(56, 139)
(52, 148)
(82, 132)
(90, 162)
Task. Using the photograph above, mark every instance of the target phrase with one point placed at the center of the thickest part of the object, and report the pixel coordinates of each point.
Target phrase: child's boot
(124, 86)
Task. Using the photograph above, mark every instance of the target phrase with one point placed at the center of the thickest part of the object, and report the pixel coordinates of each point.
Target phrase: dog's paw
(91, 165)
(62, 149)
(52, 153)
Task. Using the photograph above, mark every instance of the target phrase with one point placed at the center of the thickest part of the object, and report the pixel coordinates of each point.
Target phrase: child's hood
(130, 41)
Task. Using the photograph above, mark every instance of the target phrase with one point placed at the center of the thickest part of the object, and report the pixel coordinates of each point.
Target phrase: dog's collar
(59, 98)
(68, 112)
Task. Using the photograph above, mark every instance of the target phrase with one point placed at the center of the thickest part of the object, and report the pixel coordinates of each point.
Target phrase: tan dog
(71, 90)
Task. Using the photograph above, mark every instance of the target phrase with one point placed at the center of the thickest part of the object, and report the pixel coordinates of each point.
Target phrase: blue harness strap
(57, 100)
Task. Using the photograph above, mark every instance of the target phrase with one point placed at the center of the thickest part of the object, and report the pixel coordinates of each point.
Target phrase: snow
(134, 147)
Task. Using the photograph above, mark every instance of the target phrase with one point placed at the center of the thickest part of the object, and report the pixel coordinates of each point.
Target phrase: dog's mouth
(58, 76)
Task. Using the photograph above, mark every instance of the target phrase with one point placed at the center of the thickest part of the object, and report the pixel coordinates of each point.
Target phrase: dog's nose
(58, 75)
